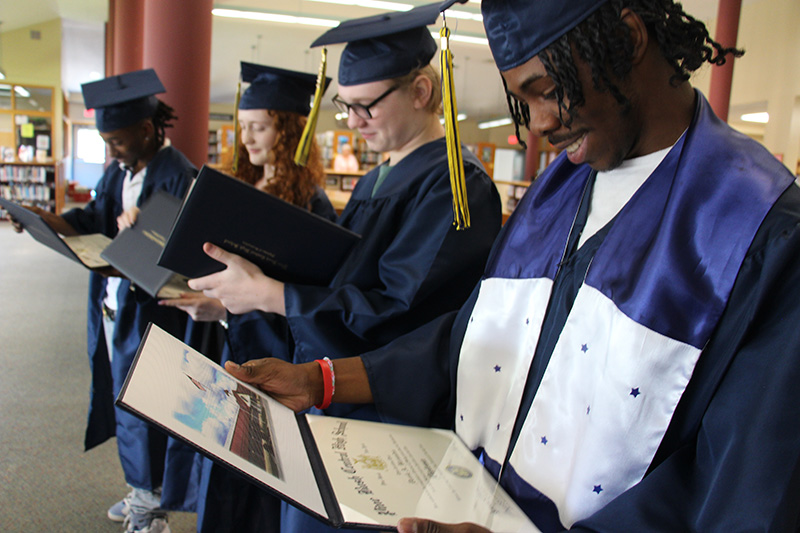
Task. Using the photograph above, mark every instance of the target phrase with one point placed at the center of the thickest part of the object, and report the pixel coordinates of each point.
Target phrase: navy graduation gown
(728, 459)
(142, 448)
(410, 267)
(223, 494)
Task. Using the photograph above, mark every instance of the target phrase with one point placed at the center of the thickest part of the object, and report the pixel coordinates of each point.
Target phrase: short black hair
(602, 41)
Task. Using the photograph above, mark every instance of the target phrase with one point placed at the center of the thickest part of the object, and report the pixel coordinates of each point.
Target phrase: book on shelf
(285, 241)
(135, 250)
(83, 249)
(347, 473)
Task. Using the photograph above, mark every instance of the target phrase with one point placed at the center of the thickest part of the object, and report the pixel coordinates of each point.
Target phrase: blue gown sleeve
(322, 206)
(427, 262)
(730, 460)
(413, 379)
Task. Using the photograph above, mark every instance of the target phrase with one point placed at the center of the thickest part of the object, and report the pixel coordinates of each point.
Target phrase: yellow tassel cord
(454, 158)
(304, 147)
(235, 164)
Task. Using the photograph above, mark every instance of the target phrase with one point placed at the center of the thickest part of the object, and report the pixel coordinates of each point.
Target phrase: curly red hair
(292, 183)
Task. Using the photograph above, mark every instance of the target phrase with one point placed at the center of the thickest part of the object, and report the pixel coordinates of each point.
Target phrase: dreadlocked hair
(520, 113)
(292, 183)
(602, 41)
(162, 119)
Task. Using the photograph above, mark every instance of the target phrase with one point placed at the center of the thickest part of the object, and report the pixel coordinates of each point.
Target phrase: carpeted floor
(47, 482)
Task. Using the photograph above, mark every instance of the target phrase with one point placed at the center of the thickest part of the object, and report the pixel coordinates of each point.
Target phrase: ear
(147, 130)
(422, 90)
(637, 32)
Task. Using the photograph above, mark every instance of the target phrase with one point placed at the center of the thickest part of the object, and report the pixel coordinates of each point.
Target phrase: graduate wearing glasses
(412, 263)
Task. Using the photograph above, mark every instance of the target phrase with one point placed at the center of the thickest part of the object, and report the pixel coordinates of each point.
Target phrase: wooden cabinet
(26, 123)
(331, 142)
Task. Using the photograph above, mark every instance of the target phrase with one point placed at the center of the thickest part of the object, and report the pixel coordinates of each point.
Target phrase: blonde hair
(435, 103)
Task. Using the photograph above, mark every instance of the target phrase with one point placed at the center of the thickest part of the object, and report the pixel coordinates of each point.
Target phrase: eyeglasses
(361, 111)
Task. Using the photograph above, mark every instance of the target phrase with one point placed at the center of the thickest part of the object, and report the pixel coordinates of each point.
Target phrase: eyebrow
(530, 80)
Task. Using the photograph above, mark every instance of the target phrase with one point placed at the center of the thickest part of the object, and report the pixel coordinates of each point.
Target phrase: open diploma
(348, 473)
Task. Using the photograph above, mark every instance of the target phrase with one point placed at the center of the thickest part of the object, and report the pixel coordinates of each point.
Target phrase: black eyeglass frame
(344, 107)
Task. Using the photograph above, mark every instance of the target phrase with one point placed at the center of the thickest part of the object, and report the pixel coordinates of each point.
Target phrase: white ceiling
(478, 85)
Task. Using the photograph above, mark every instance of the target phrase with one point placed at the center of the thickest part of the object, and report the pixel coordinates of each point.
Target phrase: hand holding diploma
(128, 218)
(421, 525)
(299, 386)
(241, 287)
(198, 306)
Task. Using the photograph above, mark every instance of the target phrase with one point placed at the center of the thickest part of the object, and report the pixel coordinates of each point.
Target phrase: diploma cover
(350, 473)
(287, 242)
(83, 249)
(136, 249)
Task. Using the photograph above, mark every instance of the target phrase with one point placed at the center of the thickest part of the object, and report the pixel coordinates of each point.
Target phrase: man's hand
(198, 306)
(298, 387)
(128, 218)
(15, 224)
(420, 525)
(241, 287)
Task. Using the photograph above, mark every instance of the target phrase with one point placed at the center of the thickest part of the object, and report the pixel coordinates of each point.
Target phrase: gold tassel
(304, 147)
(454, 158)
(235, 164)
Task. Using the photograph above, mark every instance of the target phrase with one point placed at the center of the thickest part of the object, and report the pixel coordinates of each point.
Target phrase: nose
(245, 136)
(354, 121)
(544, 120)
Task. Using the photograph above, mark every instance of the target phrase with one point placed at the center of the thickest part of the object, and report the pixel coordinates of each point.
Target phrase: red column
(125, 24)
(177, 44)
(721, 77)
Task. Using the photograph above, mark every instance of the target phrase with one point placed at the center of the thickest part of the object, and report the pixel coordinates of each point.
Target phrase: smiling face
(258, 134)
(600, 134)
(393, 123)
(131, 146)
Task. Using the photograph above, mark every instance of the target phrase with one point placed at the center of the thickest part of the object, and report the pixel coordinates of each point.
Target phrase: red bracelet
(328, 382)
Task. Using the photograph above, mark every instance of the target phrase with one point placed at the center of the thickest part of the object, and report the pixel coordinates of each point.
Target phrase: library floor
(47, 482)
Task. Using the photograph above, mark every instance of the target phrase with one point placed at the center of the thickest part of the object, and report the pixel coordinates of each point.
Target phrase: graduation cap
(385, 46)
(391, 45)
(123, 100)
(512, 43)
(278, 89)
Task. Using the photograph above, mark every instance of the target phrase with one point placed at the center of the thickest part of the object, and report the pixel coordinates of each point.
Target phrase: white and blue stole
(650, 301)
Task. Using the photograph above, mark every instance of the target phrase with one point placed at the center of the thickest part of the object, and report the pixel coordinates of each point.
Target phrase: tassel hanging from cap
(454, 157)
(235, 163)
(306, 139)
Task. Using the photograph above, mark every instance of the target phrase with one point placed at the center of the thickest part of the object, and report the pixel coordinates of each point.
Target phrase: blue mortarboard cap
(122, 100)
(277, 89)
(519, 29)
(383, 46)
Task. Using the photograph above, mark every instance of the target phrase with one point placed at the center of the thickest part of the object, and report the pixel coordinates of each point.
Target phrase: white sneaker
(119, 510)
(149, 523)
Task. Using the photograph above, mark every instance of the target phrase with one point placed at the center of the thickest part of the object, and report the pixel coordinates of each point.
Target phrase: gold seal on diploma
(459, 471)
(371, 462)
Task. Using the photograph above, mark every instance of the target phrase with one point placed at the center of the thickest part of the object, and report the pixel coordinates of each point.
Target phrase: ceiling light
(375, 4)
(459, 118)
(21, 91)
(2, 74)
(761, 118)
(494, 123)
(463, 38)
(456, 14)
(274, 17)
